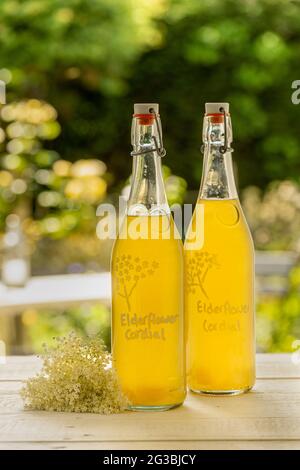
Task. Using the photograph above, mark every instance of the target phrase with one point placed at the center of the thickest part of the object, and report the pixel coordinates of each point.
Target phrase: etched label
(197, 270)
(225, 308)
(145, 327)
(129, 272)
(228, 313)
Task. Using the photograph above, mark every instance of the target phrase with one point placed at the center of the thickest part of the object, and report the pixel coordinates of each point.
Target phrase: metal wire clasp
(158, 146)
(225, 148)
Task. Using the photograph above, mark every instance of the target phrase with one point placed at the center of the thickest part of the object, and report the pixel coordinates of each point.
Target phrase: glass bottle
(147, 281)
(219, 272)
(16, 262)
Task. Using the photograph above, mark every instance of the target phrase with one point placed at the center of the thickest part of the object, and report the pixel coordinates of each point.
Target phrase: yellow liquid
(147, 314)
(219, 301)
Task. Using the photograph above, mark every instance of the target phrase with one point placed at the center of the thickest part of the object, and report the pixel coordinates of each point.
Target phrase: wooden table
(266, 418)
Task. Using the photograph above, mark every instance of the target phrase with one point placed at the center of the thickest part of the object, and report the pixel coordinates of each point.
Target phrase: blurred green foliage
(245, 53)
(42, 327)
(91, 60)
(274, 215)
(278, 319)
(78, 55)
(56, 198)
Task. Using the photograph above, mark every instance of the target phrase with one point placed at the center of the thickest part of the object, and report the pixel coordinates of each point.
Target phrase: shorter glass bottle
(147, 281)
(15, 270)
(219, 272)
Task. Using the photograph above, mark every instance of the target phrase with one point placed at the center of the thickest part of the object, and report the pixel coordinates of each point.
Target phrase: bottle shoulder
(159, 229)
(218, 221)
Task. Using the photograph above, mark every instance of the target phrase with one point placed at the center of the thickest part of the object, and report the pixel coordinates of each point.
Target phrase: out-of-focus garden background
(73, 68)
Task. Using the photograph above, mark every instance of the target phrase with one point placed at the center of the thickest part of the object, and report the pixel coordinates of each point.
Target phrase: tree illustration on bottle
(130, 271)
(197, 270)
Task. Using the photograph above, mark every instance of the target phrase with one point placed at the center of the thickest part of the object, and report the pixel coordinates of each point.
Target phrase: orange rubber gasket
(216, 117)
(144, 119)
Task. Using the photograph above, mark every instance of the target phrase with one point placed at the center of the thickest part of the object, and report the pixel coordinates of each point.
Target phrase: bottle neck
(217, 176)
(147, 194)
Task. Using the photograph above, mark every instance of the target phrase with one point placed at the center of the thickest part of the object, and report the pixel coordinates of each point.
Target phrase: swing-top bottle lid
(146, 108)
(216, 108)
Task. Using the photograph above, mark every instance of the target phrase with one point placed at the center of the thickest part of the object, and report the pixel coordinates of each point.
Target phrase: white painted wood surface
(56, 291)
(73, 289)
(266, 418)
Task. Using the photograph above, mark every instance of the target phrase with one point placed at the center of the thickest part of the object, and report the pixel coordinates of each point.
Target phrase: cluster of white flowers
(77, 377)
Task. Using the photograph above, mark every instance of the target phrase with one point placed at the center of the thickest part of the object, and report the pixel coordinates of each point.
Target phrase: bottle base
(153, 408)
(222, 392)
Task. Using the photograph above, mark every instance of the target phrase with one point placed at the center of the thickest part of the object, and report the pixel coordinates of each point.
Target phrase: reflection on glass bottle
(147, 281)
(15, 262)
(219, 273)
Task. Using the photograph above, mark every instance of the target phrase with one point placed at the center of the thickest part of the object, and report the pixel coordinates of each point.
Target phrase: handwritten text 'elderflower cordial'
(150, 326)
(222, 317)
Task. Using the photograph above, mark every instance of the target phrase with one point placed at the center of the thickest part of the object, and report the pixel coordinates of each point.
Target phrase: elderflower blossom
(77, 377)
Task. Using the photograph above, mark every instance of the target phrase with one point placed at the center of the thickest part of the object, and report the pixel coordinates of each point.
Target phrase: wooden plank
(277, 365)
(263, 358)
(268, 366)
(270, 398)
(180, 424)
(265, 386)
(157, 445)
(272, 263)
(281, 371)
(19, 367)
(61, 291)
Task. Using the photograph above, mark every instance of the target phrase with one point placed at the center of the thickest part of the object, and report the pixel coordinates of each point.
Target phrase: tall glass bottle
(147, 280)
(219, 272)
